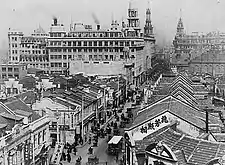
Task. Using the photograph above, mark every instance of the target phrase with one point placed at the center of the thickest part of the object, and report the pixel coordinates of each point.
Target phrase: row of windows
(14, 38)
(88, 34)
(33, 51)
(32, 46)
(38, 65)
(90, 50)
(9, 75)
(13, 58)
(64, 57)
(4, 69)
(39, 138)
(14, 51)
(59, 64)
(92, 43)
(14, 45)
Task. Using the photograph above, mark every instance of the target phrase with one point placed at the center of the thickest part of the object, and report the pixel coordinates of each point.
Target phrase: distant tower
(180, 27)
(133, 20)
(148, 29)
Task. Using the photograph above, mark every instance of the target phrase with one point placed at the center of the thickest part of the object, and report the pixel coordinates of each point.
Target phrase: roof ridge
(218, 149)
(193, 151)
(183, 135)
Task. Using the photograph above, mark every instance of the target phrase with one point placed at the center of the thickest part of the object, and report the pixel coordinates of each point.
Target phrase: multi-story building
(13, 70)
(190, 46)
(30, 50)
(102, 52)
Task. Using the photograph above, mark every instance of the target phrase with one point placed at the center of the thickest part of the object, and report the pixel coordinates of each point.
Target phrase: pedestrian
(63, 156)
(117, 156)
(75, 150)
(68, 157)
(89, 141)
(80, 158)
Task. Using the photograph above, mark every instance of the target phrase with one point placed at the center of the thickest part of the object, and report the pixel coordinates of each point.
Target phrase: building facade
(190, 46)
(30, 50)
(26, 144)
(13, 71)
(121, 49)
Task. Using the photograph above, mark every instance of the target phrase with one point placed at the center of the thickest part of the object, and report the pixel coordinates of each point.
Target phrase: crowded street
(89, 150)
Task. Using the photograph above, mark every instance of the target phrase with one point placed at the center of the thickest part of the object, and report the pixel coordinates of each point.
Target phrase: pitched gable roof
(176, 107)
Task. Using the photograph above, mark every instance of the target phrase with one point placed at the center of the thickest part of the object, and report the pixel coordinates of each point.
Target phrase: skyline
(26, 15)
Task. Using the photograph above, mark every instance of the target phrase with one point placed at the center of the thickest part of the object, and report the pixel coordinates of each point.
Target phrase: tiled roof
(28, 82)
(180, 157)
(196, 151)
(176, 107)
(28, 97)
(219, 137)
(10, 116)
(17, 104)
(23, 113)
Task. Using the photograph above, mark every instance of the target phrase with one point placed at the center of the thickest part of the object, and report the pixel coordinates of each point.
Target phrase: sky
(197, 15)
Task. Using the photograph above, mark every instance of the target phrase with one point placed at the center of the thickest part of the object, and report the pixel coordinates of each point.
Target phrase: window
(100, 43)
(85, 43)
(64, 57)
(106, 57)
(35, 141)
(90, 57)
(69, 56)
(90, 43)
(95, 43)
(16, 69)
(65, 65)
(4, 69)
(79, 43)
(111, 57)
(43, 135)
(10, 69)
(106, 43)
(4, 76)
(121, 56)
(39, 138)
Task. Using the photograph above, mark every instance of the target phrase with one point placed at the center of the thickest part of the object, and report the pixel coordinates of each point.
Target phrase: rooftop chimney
(55, 21)
(98, 27)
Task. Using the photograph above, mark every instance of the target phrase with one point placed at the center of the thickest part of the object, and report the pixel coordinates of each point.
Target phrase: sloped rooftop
(196, 151)
(176, 107)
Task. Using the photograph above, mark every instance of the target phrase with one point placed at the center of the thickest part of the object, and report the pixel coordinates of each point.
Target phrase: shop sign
(153, 124)
(28, 153)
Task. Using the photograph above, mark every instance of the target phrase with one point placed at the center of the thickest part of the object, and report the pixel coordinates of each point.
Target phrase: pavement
(100, 151)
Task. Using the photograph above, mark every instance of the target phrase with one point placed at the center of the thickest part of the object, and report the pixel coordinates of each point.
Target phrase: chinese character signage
(28, 152)
(153, 124)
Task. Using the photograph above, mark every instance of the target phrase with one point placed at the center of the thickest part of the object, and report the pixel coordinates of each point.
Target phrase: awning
(115, 139)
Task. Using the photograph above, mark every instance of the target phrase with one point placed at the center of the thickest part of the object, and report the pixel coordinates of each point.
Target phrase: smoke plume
(95, 18)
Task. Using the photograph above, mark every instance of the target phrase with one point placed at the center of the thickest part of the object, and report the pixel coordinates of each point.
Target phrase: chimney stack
(98, 27)
(55, 21)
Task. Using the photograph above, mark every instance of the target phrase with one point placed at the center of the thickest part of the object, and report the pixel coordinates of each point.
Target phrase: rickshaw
(115, 145)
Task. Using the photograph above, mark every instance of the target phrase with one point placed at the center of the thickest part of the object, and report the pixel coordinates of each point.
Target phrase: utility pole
(58, 132)
(118, 91)
(82, 122)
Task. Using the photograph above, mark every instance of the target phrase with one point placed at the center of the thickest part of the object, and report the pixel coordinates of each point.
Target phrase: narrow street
(100, 151)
